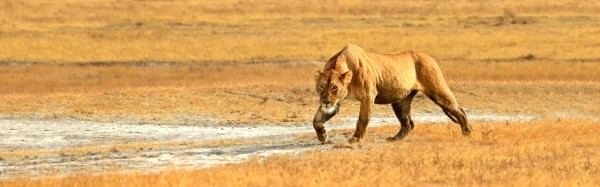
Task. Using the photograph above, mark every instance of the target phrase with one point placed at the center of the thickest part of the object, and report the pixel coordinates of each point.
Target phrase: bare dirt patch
(33, 148)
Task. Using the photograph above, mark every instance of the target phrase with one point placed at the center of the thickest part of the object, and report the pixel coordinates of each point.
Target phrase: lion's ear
(347, 77)
(318, 73)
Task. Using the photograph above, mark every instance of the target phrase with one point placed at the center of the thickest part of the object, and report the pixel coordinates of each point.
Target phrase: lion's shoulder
(353, 47)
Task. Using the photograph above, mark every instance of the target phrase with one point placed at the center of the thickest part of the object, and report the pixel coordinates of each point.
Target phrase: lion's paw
(355, 140)
(324, 139)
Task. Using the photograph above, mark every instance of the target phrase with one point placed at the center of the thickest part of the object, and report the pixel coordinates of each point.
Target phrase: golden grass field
(71, 31)
(252, 63)
(557, 152)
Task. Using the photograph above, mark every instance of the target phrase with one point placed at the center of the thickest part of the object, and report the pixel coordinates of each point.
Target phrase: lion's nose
(326, 101)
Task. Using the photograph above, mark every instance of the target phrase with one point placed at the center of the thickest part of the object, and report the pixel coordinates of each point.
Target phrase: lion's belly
(398, 85)
(386, 96)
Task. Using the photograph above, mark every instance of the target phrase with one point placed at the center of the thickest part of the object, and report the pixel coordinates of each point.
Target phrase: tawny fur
(373, 78)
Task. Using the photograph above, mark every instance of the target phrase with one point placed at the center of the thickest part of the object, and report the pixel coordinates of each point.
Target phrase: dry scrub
(548, 152)
(232, 30)
(47, 79)
(93, 79)
(274, 93)
(251, 62)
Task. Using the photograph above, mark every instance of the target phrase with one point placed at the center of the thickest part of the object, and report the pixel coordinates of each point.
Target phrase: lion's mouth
(329, 108)
(329, 105)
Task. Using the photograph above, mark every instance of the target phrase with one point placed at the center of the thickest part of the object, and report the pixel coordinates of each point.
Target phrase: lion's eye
(321, 87)
(334, 88)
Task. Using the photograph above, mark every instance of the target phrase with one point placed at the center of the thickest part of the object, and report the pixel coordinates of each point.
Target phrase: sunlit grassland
(216, 31)
(252, 62)
(546, 152)
(273, 93)
(52, 79)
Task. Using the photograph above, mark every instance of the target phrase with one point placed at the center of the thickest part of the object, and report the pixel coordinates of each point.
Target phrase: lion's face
(332, 87)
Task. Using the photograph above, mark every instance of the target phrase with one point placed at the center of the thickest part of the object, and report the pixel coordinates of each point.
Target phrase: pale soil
(21, 135)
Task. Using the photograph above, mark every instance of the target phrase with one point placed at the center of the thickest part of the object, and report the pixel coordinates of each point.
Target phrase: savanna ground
(187, 65)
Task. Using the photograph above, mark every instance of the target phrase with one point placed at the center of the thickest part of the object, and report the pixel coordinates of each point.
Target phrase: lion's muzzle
(328, 110)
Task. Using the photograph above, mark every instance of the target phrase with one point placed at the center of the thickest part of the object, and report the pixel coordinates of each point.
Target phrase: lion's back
(392, 75)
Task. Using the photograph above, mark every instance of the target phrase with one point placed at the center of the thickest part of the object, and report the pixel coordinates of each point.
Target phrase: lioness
(373, 78)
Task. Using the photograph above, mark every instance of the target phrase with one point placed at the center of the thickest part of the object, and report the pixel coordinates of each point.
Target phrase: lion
(373, 78)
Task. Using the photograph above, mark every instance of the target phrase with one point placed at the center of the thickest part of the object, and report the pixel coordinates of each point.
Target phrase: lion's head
(332, 87)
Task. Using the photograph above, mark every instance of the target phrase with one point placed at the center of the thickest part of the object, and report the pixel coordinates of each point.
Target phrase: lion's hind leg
(452, 110)
(402, 111)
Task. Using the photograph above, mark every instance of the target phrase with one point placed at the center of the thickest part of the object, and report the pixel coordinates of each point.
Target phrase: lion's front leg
(320, 118)
(363, 121)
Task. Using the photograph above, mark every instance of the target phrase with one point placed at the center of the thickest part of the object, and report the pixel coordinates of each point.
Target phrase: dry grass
(231, 30)
(274, 93)
(548, 152)
(521, 71)
(66, 79)
(90, 79)
(165, 61)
